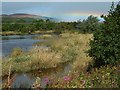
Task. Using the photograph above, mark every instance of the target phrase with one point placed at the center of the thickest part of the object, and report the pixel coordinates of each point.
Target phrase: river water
(26, 80)
(25, 42)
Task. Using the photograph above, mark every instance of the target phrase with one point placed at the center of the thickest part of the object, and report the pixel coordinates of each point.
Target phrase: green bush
(89, 25)
(22, 58)
(105, 47)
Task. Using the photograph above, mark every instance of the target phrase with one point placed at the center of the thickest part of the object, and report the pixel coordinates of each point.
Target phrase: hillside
(25, 17)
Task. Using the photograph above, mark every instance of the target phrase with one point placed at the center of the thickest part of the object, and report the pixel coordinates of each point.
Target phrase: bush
(21, 58)
(89, 25)
(105, 47)
(16, 52)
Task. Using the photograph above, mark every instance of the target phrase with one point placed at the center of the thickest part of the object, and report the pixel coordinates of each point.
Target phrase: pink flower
(46, 80)
(66, 78)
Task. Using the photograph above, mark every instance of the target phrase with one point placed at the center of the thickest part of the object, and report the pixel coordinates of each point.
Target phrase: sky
(66, 11)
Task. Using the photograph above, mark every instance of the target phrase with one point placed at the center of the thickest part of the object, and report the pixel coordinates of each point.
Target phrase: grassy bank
(6, 33)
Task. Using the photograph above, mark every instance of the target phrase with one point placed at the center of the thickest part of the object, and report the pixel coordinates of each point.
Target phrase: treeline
(20, 25)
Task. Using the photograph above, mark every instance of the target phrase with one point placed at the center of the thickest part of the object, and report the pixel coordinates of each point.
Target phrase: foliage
(104, 77)
(29, 26)
(89, 25)
(21, 58)
(105, 48)
(45, 36)
(16, 52)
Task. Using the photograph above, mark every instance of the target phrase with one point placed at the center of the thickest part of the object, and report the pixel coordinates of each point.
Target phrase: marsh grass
(44, 58)
(68, 47)
(44, 36)
(8, 33)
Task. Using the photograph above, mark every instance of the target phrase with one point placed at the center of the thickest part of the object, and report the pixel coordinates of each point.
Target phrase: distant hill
(22, 15)
(26, 17)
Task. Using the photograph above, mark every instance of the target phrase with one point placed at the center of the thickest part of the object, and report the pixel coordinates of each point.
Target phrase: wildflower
(66, 78)
(46, 80)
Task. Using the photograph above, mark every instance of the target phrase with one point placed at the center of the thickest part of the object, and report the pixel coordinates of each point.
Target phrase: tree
(89, 25)
(105, 47)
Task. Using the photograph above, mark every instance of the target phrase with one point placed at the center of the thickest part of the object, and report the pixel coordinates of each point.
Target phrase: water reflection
(26, 80)
(23, 81)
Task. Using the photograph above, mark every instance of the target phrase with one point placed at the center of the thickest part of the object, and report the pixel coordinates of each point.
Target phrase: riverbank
(6, 33)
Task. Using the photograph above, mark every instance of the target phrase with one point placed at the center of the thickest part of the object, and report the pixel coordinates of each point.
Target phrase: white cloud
(59, 0)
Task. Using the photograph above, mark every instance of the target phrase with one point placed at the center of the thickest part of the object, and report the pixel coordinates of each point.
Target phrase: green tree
(105, 48)
(89, 25)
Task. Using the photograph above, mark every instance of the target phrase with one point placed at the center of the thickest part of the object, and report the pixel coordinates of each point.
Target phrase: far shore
(6, 33)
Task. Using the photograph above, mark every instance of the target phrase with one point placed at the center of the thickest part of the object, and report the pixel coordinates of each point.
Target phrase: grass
(44, 36)
(5, 33)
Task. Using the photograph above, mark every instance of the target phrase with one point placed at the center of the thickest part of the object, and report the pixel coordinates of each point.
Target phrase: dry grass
(44, 36)
(45, 58)
(8, 33)
(79, 43)
(44, 32)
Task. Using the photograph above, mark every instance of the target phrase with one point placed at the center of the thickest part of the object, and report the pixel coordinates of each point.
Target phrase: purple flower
(46, 80)
(66, 78)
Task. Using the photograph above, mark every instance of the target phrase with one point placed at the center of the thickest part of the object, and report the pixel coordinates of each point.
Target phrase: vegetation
(104, 77)
(61, 50)
(22, 27)
(105, 46)
(75, 44)
(89, 25)
(69, 47)
(44, 36)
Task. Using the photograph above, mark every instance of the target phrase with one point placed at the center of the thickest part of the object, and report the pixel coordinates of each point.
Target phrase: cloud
(55, 7)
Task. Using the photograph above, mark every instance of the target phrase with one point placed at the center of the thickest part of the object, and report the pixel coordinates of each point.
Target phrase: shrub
(105, 47)
(16, 52)
(89, 25)
(21, 58)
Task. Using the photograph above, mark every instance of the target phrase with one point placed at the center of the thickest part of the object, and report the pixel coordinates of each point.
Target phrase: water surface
(25, 42)
(26, 80)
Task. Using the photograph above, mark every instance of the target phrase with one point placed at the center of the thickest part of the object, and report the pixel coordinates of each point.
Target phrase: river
(25, 42)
